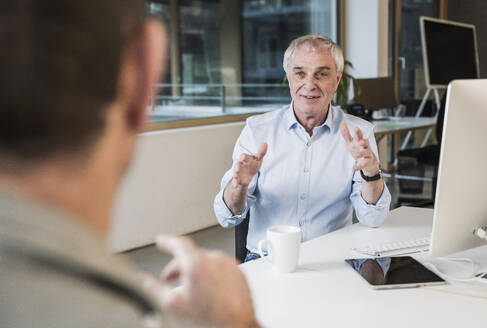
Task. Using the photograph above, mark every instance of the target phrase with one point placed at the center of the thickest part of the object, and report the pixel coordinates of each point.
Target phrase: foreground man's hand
(361, 151)
(212, 289)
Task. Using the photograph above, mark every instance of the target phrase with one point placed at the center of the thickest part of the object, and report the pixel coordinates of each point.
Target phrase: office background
(181, 158)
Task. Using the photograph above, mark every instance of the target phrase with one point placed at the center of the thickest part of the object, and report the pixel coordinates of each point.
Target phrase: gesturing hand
(212, 289)
(361, 151)
(248, 166)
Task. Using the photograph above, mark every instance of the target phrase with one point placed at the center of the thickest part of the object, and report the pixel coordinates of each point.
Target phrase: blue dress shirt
(306, 181)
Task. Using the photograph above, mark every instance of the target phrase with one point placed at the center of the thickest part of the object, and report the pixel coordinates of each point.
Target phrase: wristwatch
(372, 178)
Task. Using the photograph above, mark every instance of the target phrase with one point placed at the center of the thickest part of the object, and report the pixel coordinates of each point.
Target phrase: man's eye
(300, 74)
(319, 75)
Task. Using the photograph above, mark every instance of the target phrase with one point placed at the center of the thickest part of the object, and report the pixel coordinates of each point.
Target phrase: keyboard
(396, 248)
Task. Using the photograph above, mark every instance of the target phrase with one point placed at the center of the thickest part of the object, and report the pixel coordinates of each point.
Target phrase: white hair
(315, 40)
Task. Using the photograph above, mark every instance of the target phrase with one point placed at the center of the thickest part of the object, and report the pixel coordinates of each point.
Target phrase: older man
(76, 79)
(300, 165)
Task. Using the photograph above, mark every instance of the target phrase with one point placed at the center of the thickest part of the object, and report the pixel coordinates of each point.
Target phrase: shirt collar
(292, 122)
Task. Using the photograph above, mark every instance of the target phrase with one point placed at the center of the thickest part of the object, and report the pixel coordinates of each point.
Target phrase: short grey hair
(315, 40)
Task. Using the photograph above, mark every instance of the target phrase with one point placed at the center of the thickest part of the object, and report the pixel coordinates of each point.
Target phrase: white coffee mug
(283, 243)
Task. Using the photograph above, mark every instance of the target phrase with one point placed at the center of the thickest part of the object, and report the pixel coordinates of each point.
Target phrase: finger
(363, 153)
(364, 143)
(244, 158)
(345, 132)
(169, 298)
(358, 151)
(241, 169)
(358, 165)
(358, 134)
(238, 168)
(215, 254)
(176, 301)
(182, 248)
(171, 271)
(262, 151)
(363, 162)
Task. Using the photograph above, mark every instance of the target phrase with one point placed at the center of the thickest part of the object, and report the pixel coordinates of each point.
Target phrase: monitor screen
(449, 51)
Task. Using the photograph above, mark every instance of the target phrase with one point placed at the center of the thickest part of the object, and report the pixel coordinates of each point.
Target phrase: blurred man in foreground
(75, 80)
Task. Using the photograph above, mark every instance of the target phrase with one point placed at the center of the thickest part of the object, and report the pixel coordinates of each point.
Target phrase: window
(268, 28)
(412, 75)
(226, 55)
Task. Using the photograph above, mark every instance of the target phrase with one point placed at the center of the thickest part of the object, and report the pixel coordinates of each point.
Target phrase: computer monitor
(461, 192)
(449, 51)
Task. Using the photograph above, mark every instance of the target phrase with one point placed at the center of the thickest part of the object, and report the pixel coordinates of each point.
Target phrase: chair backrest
(241, 232)
(377, 93)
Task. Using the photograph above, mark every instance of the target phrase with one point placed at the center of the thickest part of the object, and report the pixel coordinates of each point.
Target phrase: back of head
(59, 67)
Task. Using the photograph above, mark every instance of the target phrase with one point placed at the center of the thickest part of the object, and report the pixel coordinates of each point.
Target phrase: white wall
(171, 184)
(367, 37)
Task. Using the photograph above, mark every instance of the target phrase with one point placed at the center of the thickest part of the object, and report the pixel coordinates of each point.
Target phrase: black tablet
(394, 272)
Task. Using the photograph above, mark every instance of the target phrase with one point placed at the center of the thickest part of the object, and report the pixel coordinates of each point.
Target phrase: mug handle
(261, 253)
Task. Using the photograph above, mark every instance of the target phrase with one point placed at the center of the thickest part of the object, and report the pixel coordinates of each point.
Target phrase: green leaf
(344, 86)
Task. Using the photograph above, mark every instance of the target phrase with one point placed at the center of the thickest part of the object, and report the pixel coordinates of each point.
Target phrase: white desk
(402, 124)
(393, 128)
(325, 292)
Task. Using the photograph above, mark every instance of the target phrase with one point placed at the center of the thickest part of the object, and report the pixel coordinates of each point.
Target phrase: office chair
(422, 157)
(241, 232)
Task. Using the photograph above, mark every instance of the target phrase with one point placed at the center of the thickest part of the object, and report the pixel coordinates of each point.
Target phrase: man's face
(313, 80)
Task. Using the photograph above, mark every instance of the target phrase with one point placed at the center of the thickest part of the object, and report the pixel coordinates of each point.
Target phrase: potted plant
(343, 89)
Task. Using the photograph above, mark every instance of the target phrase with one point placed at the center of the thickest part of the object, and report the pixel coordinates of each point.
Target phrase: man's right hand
(248, 166)
(235, 192)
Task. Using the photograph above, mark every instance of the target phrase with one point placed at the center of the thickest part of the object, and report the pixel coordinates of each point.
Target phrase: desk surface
(402, 124)
(325, 292)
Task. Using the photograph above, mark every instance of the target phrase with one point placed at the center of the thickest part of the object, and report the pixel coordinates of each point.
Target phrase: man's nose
(310, 82)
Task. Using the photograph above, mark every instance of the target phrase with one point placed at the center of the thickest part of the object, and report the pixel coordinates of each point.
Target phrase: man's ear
(339, 77)
(148, 60)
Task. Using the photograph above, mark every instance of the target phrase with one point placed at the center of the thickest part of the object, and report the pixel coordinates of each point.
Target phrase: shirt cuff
(383, 201)
(225, 216)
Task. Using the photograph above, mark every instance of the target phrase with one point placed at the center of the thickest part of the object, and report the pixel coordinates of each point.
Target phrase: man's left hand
(361, 151)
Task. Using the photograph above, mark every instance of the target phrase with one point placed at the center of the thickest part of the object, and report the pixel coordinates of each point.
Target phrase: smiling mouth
(310, 97)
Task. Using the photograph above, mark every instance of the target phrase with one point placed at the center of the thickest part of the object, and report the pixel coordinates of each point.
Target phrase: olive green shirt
(55, 272)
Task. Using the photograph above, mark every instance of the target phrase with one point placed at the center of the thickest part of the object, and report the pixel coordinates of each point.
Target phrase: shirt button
(308, 143)
(303, 196)
(306, 170)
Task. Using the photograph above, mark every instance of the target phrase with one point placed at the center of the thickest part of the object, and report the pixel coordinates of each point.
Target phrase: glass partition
(226, 55)
(412, 74)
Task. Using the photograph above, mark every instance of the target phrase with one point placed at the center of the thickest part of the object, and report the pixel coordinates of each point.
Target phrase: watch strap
(372, 178)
